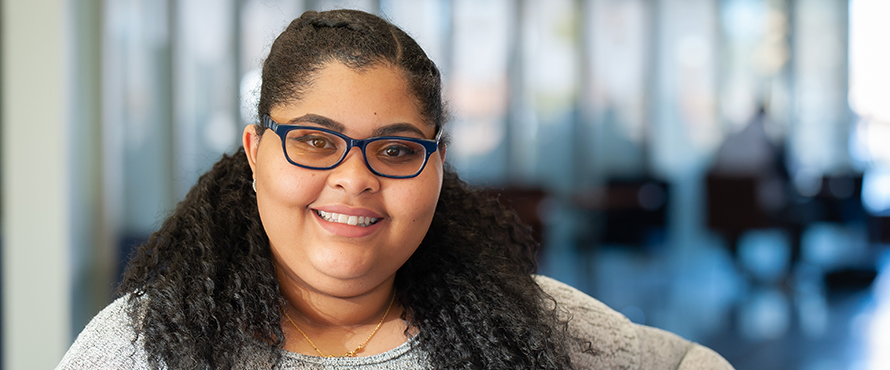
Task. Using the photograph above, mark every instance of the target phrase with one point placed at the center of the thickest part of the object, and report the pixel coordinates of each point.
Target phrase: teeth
(347, 219)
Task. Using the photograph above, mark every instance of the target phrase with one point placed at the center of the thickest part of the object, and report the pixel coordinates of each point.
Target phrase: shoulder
(617, 343)
(107, 342)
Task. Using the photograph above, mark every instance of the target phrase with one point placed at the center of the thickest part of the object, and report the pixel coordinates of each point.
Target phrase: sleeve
(107, 342)
(608, 340)
(660, 349)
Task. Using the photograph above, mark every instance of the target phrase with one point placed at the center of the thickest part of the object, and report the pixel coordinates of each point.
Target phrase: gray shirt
(107, 343)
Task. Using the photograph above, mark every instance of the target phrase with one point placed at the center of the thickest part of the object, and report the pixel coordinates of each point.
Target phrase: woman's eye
(396, 151)
(316, 142)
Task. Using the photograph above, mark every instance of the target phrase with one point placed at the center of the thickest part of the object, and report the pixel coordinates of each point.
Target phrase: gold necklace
(360, 346)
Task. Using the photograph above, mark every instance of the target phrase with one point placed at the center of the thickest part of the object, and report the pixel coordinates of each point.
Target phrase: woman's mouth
(360, 221)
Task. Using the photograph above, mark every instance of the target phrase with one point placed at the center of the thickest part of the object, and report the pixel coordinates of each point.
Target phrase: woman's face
(331, 257)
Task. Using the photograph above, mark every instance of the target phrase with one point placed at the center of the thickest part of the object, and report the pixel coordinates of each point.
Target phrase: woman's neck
(336, 325)
(320, 309)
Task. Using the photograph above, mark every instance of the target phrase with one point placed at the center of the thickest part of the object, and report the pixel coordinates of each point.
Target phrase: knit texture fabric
(616, 343)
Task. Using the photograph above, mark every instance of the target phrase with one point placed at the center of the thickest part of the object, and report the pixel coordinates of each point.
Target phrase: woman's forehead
(369, 96)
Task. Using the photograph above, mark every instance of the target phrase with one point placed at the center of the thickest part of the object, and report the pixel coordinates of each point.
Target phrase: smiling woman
(337, 237)
(314, 251)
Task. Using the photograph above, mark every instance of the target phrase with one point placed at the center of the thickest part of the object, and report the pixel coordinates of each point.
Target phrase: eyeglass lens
(389, 157)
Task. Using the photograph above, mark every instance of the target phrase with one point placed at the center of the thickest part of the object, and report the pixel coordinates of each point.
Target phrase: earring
(254, 185)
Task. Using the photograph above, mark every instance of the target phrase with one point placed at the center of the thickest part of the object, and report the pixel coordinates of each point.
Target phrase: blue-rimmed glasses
(322, 149)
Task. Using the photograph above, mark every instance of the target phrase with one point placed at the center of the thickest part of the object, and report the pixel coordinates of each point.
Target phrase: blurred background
(716, 168)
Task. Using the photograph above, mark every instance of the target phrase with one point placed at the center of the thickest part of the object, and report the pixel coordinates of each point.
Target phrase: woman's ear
(442, 151)
(251, 141)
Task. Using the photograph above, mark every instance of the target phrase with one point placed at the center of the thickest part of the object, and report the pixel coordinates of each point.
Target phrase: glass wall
(604, 110)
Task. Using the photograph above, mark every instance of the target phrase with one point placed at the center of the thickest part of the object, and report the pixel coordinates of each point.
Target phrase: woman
(338, 230)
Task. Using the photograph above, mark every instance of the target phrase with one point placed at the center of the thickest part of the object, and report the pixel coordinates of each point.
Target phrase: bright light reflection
(876, 137)
(878, 334)
(869, 58)
(879, 339)
(876, 191)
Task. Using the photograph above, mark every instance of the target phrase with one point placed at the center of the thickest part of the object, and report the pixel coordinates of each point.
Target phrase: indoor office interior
(716, 168)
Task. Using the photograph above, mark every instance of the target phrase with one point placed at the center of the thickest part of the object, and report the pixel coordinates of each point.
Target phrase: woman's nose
(353, 174)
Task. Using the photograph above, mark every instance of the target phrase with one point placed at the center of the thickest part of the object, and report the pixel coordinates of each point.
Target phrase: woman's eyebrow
(388, 130)
(319, 120)
(398, 128)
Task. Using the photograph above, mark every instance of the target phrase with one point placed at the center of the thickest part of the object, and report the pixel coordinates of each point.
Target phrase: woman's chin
(347, 275)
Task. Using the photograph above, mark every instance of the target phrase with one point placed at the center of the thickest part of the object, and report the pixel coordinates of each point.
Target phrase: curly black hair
(208, 278)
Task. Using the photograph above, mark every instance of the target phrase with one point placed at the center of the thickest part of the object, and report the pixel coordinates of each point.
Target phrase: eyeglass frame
(281, 129)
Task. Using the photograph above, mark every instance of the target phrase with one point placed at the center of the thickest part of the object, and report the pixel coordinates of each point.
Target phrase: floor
(827, 312)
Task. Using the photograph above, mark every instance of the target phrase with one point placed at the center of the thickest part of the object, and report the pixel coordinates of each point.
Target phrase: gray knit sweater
(106, 343)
